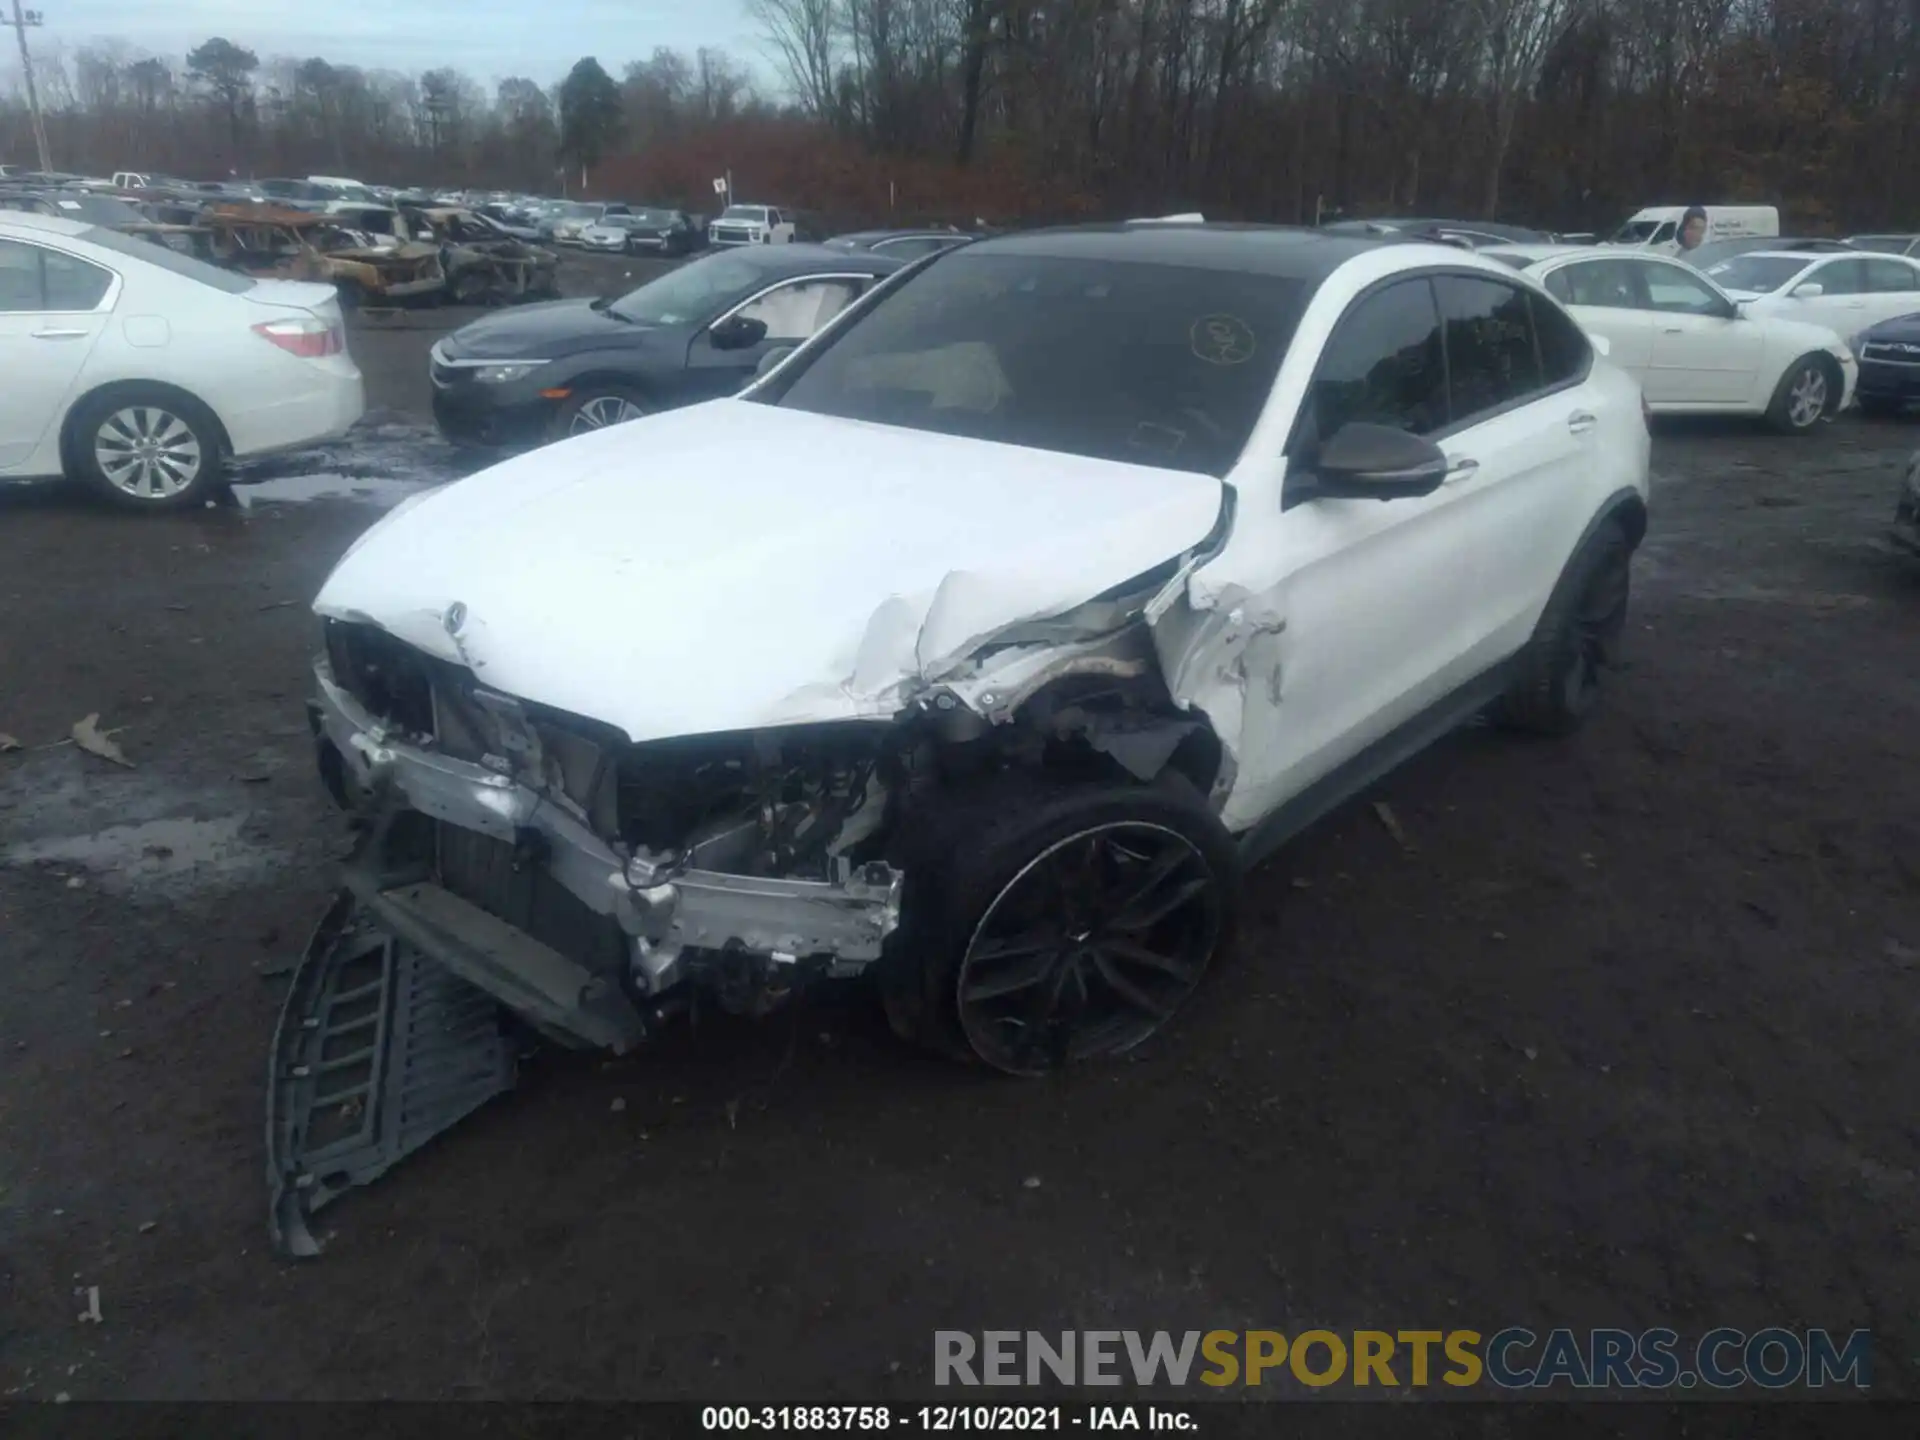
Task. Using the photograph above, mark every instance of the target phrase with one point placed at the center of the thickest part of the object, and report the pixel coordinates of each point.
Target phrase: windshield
(94, 209)
(695, 292)
(1141, 362)
(745, 212)
(185, 266)
(1636, 232)
(1756, 274)
(574, 210)
(652, 217)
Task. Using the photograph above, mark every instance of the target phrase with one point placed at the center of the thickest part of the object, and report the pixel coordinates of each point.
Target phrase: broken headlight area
(636, 869)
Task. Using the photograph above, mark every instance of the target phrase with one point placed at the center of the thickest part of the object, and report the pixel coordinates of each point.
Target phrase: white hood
(734, 565)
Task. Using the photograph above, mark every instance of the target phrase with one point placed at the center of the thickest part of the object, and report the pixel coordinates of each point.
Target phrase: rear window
(185, 266)
(1141, 362)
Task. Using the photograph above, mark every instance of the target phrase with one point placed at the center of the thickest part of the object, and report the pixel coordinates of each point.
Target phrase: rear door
(1703, 353)
(53, 309)
(1606, 299)
(1893, 286)
(1522, 431)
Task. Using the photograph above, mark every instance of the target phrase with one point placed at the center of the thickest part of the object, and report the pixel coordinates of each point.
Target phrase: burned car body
(1048, 612)
(304, 245)
(483, 263)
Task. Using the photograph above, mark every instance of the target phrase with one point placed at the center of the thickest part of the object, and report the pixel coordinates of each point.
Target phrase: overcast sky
(489, 39)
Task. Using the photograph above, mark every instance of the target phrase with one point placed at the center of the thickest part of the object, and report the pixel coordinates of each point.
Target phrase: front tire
(1046, 923)
(1803, 396)
(145, 448)
(595, 407)
(1558, 680)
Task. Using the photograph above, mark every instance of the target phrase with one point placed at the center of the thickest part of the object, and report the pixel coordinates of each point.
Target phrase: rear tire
(146, 448)
(1804, 395)
(1557, 684)
(1046, 922)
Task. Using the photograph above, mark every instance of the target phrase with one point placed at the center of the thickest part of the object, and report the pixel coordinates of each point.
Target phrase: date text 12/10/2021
(947, 1419)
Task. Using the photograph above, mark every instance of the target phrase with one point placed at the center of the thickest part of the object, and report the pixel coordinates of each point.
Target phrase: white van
(1657, 228)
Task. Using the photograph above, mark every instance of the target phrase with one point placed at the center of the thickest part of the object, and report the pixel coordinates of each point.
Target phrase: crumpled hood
(734, 565)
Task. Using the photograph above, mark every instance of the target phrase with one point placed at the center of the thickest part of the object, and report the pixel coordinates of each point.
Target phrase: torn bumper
(520, 897)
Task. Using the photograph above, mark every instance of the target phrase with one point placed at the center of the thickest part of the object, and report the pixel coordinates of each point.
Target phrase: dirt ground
(1625, 1036)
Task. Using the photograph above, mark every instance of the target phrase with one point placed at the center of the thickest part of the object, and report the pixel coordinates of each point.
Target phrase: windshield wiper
(603, 305)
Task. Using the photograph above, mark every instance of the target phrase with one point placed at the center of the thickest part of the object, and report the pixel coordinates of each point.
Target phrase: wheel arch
(1128, 726)
(113, 389)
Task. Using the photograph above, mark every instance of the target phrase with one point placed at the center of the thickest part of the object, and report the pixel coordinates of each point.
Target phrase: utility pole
(22, 20)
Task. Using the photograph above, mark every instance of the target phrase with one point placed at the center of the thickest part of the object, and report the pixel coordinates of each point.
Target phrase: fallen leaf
(88, 735)
(1531, 1053)
(733, 1114)
(618, 1105)
(1391, 823)
(7, 742)
(1032, 1182)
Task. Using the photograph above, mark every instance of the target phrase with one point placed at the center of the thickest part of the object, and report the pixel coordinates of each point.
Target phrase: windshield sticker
(69, 204)
(1222, 340)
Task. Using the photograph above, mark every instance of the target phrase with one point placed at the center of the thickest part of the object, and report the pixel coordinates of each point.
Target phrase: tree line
(1566, 113)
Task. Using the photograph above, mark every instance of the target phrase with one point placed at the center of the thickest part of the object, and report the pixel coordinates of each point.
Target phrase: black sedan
(543, 372)
(652, 231)
(901, 244)
(1889, 355)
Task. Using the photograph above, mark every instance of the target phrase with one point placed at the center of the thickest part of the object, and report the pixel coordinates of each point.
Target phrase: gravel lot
(1624, 1036)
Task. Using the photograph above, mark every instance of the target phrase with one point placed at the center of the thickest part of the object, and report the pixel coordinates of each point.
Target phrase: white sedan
(139, 371)
(1846, 293)
(1694, 348)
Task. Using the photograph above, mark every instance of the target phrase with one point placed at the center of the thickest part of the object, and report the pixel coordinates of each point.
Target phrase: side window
(1840, 277)
(910, 248)
(19, 279)
(1890, 277)
(1665, 233)
(1491, 359)
(773, 218)
(1383, 365)
(1565, 355)
(793, 312)
(1678, 292)
(74, 284)
(1608, 284)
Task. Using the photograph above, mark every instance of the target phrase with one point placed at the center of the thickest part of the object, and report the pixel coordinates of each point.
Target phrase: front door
(791, 311)
(50, 319)
(1354, 611)
(1841, 305)
(1702, 354)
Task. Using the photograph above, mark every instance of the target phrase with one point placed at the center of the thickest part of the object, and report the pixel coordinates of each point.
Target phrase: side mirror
(1602, 346)
(1377, 462)
(1812, 290)
(737, 332)
(772, 359)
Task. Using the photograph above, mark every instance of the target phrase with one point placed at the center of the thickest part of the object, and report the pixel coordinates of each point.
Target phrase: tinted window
(1610, 284)
(793, 312)
(1565, 354)
(19, 278)
(1491, 360)
(1141, 362)
(1382, 365)
(1677, 292)
(1888, 277)
(1884, 244)
(172, 261)
(1840, 277)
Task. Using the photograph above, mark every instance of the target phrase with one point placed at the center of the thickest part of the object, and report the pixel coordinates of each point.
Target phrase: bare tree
(804, 38)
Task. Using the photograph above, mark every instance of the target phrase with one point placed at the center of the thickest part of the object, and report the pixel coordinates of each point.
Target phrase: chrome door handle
(1674, 330)
(1461, 469)
(60, 334)
(1580, 422)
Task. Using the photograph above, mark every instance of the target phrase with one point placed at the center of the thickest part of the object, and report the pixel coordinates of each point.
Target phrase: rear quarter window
(172, 261)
